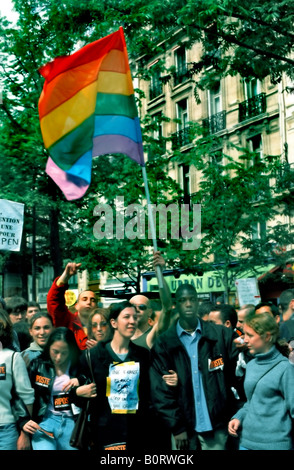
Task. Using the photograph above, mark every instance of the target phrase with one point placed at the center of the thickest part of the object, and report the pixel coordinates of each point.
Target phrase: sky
(6, 9)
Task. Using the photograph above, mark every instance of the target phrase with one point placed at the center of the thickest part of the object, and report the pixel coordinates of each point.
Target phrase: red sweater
(61, 316)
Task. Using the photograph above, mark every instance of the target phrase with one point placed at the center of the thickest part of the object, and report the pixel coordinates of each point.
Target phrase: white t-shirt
(59, 402)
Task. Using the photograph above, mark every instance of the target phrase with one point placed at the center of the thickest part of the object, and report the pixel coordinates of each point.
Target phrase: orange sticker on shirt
(43, 381)
(214, 364)
(116, 447)
(2, 371)
(61, 402)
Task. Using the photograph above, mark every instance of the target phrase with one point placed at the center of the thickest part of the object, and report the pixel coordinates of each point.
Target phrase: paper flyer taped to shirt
(122, 387)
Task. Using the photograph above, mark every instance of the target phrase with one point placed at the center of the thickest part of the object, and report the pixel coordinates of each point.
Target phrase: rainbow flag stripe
(87, 108)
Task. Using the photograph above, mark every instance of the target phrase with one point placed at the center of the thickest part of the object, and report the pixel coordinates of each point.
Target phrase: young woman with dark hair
(120, 391)
(52, 375)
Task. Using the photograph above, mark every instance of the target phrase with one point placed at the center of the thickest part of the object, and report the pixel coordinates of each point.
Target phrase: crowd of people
(181, 375)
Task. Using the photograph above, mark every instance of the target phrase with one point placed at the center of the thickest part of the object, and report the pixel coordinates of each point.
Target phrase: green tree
(236, 196)
(121, 251)
(60, 229)
(251, 38)
(254, 39)
(24, 49)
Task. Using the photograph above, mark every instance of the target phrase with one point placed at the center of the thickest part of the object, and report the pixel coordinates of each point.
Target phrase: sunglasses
(140, 307)
(103, 324)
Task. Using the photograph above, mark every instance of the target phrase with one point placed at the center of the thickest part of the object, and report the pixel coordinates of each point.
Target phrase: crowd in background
(172, 374)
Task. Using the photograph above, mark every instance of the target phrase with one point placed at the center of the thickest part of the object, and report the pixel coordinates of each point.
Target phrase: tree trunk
(34, 258)
(226, 286)
(55, 249)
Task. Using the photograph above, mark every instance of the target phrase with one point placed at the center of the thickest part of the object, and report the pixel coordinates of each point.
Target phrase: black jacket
(109, 428)
(175, 405)
(42, 374)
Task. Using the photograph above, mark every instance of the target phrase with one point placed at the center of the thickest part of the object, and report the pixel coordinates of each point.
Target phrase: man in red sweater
(78, 321)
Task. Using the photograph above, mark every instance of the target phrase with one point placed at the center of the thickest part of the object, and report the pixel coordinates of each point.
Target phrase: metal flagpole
(152, 227)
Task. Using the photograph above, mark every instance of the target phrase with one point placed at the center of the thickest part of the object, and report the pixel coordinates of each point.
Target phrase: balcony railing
(182, 137)
(252, 107)
(215, 123)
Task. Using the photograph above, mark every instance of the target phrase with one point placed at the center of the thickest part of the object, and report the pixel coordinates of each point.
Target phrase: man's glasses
(140, 307)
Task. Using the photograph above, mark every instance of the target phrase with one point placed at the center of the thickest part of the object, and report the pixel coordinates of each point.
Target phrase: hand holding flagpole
(152, 226)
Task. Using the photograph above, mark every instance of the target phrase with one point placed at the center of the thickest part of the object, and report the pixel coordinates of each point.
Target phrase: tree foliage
(237, 197)
(253, 39)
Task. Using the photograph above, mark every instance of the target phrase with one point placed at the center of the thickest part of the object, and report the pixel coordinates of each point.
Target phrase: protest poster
(122, 387)
(248, 291)
(11, 225)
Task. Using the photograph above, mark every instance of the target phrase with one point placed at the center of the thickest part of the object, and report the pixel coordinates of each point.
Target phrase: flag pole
(152, 227)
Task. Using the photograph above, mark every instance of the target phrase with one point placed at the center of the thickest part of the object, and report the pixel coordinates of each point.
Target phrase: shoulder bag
(80, 437)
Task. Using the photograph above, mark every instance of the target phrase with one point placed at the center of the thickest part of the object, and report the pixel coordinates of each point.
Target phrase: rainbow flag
(87, 108)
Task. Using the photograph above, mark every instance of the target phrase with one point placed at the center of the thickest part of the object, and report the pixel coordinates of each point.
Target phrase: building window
(252, 88)
(255, 145)
(182, 114)
(184, 181)
(183, 135)
(215, 100)
(217, 117)
(258, 230)
(156, 83)
(255, 101)
(181, 66)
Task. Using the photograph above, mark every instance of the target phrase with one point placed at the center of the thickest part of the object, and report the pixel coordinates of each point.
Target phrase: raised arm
(70, 270)
(166, 300)
(165, 297)
(56, 305)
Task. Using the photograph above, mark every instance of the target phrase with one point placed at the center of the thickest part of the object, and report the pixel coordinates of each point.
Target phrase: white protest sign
(122, 387)
(248, 291)
(11, 225)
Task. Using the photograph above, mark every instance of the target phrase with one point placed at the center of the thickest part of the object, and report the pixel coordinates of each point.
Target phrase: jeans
(8, 437)
(212, 440)
(61, 426)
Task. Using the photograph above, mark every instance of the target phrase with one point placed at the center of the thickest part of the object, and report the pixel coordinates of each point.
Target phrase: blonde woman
(40, 328)
(265, 421)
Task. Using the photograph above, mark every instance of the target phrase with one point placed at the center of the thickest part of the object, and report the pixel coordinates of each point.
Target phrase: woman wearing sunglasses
(143, 334)
(98, 327)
